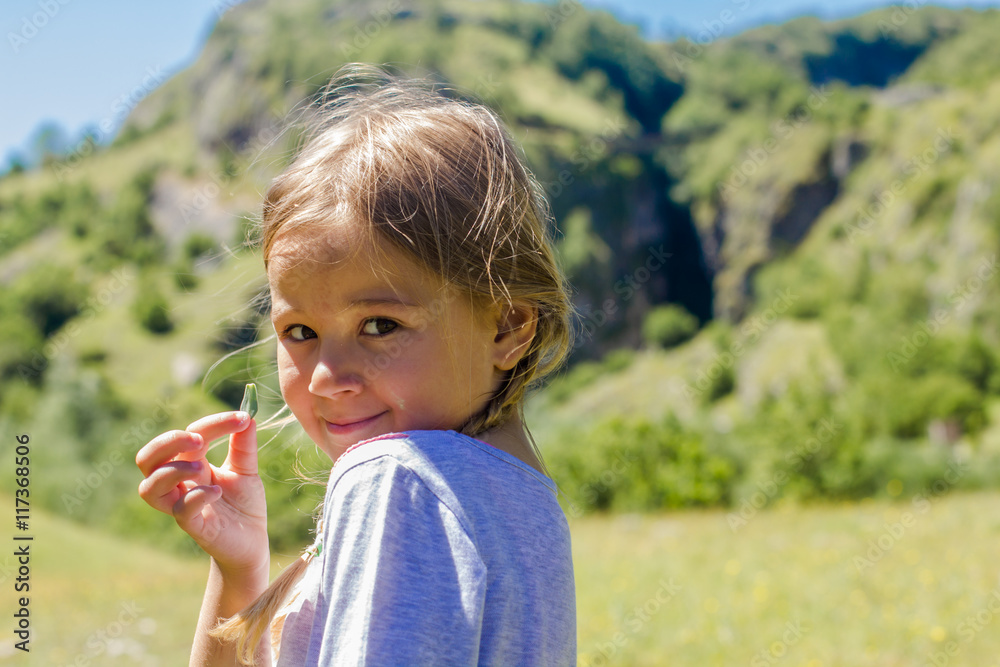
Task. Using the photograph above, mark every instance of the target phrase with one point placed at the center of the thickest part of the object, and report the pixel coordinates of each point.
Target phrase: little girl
(415, 297)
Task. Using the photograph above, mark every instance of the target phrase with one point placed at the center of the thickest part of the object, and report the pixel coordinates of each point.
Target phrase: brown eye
(378, 326)
(299, 332)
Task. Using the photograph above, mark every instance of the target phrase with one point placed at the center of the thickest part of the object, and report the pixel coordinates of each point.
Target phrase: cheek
(295, 392)
(290, 377)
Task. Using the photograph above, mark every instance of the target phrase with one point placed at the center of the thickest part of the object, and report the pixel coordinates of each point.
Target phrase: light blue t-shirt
(437, 549)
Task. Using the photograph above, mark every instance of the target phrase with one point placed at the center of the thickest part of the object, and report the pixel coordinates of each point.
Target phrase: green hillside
(783, 246)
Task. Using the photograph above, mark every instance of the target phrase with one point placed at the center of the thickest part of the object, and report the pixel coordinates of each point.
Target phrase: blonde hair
(439, 179)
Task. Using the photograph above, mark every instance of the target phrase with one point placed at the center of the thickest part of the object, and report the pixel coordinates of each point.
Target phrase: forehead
(340, 259)
(312, 246)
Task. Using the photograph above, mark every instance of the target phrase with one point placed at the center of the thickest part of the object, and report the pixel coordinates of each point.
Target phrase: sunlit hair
(439, 179)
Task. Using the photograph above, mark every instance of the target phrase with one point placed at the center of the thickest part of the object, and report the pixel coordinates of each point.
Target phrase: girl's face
(366, 349)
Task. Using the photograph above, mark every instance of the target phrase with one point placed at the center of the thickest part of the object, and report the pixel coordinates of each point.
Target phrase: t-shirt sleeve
(403, 581)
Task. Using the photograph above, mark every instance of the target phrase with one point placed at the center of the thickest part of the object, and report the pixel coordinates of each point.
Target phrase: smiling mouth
(347, 427)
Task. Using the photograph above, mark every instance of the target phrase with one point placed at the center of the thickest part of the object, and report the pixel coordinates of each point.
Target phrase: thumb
(242, 457)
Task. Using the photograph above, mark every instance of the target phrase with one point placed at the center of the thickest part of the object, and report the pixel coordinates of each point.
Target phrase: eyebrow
(391, 301)
(355, 303)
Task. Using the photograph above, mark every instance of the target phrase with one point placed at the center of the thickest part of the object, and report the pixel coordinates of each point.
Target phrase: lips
(351, 425)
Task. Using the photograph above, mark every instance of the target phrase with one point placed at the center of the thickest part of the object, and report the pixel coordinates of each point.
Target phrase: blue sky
(84, 63)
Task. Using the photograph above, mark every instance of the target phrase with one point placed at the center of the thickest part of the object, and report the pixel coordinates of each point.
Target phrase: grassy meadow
(685, 588)
(787, 587)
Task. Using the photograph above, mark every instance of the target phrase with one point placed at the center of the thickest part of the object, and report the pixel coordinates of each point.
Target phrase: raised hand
(223, 507)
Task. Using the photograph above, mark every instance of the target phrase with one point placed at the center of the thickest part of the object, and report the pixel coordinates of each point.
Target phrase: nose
(335, 372)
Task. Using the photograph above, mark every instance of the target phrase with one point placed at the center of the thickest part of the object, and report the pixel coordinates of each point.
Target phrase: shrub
(586, 372)
(668, 326)
(184, 275)
(903, 407)
(198, 244)
(127, 231)
(20, 346)
(151, 309)
(49, 296)
(639, 465)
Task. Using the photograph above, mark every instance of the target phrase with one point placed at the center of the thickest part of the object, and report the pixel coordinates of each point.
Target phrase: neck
(513, 439)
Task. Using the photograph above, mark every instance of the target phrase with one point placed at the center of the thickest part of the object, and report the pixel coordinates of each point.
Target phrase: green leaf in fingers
(249, 403)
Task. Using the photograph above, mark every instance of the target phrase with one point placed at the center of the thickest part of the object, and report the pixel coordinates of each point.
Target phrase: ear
(516, 324)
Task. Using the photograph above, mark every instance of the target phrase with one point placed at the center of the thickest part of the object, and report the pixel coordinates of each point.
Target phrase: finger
(191, 504)
(242, 457)
(162, 488)
(171, 474)
(220, 424)
(166, 447)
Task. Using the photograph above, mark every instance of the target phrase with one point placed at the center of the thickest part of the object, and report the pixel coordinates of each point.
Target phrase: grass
(786, 588)
(880, 583)
(98, 599)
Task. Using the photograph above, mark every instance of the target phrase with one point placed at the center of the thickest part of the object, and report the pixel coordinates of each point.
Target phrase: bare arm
(225, 595)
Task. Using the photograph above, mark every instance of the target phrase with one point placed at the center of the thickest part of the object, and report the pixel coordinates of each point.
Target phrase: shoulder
(437, 457)
(424, 469)
(392, 475)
